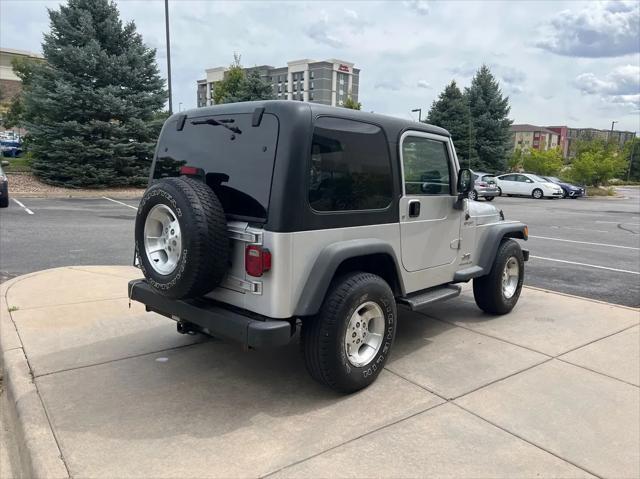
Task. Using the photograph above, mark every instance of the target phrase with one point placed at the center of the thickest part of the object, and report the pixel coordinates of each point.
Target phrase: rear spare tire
(181, 238)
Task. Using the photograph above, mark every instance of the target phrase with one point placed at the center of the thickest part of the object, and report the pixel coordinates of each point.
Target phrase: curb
(36, 451)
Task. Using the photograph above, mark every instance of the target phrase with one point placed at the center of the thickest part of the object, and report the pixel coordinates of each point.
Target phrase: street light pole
(419, 110)
(166, 22)
(613, 123)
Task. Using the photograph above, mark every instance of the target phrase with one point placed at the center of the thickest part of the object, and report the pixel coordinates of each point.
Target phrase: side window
(350, 166)
(426, 166)
(508, 178)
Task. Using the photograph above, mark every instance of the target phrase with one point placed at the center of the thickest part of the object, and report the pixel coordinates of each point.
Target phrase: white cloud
(392, 42)
(423, 84)
(598, 30)
(624, 80)
(421, 7)
(621, 86)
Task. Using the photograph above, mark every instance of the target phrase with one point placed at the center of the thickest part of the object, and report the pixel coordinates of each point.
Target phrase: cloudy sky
(561, 62)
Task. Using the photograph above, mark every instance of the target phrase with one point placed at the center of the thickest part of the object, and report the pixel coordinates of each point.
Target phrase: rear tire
(473, 195)
(181, 238)
(498, 292)
(358, 307)
(4, 202)
(499, 191)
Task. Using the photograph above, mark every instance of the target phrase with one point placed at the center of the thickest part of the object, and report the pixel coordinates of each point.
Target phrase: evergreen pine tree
(92, 107)
(451, 112)
(489, 111)
(255, 88)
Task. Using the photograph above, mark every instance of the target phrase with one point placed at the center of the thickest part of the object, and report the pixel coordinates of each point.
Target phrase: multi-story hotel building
(329, 82)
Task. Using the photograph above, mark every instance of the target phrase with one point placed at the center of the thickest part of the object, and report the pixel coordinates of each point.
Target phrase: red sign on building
(343, 68)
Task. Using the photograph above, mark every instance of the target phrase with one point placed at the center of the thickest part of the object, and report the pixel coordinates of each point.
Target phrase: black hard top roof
(292, 108)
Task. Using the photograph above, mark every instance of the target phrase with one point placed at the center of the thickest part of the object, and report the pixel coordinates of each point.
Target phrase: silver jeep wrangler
(262, 217)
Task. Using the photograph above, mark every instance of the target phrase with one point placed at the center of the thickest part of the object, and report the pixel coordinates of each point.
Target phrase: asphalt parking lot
(587, 247)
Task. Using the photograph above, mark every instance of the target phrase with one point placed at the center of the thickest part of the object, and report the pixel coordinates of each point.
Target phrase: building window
(311, 86)
(311, 75)
(350, 168)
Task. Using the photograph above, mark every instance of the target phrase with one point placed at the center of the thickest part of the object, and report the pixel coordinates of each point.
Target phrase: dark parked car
(568, 190)
(4, 189)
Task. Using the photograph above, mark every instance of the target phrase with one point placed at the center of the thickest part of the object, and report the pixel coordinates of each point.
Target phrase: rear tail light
(190, 171)
(482, 183)
(257, 260)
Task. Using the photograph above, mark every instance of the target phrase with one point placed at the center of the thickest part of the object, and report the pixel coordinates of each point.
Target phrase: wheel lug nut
(357, 325)
(353, 335)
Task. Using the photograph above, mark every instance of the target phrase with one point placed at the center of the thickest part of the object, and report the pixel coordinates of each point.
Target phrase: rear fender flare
(328, 262)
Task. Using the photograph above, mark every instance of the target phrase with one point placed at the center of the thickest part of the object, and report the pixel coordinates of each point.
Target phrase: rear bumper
(215, 319)
(484, 192)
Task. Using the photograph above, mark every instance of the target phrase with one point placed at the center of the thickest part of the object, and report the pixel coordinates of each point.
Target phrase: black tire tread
(209, 252)
(487, 290)
(317, 331)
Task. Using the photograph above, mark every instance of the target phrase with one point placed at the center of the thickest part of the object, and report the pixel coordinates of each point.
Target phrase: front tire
(347, 344)
(498, 292)
(537, 194)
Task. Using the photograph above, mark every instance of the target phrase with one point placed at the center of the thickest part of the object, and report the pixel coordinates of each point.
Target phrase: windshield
(553, 178)
(235, 158)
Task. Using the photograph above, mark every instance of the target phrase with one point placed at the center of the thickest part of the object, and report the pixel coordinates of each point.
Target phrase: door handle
(414, 208)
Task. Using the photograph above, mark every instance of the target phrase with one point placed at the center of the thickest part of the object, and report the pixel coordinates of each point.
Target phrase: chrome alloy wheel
(363, 337)
(510, 277)
(162, 239)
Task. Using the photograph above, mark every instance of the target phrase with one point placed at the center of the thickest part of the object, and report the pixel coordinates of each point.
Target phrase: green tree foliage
(451, 112)
(597, 163)
(91, 107)
(238, 86)
(542, 162)
(489, 111)
(351, 104)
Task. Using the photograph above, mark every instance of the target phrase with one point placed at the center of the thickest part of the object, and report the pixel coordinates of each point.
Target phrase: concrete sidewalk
(97, 389)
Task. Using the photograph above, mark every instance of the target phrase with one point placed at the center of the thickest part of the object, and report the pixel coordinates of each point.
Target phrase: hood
(482, 212)
(570, 186)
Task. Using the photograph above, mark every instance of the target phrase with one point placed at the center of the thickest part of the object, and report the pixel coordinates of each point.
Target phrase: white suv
(526, 184)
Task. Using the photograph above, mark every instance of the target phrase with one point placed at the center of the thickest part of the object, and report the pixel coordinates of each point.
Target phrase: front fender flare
(488, 249)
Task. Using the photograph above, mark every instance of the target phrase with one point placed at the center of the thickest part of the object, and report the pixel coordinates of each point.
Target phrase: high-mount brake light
(257, 260)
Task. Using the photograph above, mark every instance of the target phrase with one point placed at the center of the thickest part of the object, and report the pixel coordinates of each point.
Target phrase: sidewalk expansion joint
(506, 341)
(118, 359)
(538, 446)
(597, 372)
(94, 300)
(393, 423)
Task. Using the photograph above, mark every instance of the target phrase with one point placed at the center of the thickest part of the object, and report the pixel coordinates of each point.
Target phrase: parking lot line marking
(585, 264)
(585, 242)
(22, 206)
(120, 203)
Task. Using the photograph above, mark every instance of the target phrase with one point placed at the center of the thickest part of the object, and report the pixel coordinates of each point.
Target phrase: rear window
(350, 166)
(237, 164)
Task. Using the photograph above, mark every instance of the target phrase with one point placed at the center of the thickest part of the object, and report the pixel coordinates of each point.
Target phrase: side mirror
(465, 182)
